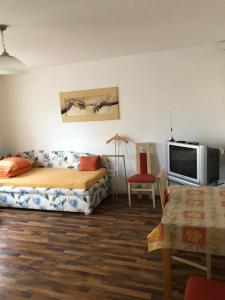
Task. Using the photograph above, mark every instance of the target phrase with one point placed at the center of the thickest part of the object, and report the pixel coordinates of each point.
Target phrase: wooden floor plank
(66, 256)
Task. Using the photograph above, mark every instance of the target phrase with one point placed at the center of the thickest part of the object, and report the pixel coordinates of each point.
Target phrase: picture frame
(90, 105)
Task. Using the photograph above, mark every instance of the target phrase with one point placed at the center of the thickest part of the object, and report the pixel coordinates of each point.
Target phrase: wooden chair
(164, 194)
(162, 182)
(199, 288)
(143, 175)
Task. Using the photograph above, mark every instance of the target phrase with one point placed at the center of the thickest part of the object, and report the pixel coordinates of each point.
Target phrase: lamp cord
(3, 42)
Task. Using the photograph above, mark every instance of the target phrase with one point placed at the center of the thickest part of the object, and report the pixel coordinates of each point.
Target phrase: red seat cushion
(142, 178)
(199, 288)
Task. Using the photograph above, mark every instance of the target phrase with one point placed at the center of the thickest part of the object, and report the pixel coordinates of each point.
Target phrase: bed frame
(58, 199)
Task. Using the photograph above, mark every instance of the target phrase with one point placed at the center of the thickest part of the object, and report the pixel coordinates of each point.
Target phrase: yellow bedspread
(56, 178)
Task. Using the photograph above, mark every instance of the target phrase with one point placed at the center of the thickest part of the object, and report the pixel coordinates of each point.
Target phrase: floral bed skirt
(73, 200)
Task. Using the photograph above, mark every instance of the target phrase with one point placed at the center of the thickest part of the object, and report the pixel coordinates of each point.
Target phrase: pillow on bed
(16, 173)
(90, 163)
(13, 165)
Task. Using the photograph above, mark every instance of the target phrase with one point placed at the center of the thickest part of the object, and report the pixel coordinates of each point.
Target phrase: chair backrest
(146, 147)
(162, 182)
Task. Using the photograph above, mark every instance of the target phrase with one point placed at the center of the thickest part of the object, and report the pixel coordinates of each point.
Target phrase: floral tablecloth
(193, 220)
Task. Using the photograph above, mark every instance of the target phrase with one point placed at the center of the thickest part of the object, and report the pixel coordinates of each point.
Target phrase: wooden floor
(48, 255)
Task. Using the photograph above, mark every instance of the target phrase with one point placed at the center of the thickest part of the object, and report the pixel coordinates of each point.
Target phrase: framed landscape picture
(90, 105)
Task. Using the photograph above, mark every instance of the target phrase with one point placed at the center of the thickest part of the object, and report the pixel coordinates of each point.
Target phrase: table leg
(208, 266)
(167, 274)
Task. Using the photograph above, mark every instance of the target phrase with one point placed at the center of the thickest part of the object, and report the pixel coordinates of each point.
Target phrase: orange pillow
(15, 173)
(89, 163)
(12, 164)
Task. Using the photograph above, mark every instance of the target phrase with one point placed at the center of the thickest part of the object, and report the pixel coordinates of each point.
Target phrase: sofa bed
(55, 183)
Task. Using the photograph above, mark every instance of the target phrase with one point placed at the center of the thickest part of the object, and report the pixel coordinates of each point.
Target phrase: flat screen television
(192, 164)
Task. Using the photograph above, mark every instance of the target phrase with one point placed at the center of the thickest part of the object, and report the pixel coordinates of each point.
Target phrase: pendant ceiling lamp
(9, 64)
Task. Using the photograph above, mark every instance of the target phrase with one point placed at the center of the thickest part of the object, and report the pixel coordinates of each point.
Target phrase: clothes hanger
(117, 138)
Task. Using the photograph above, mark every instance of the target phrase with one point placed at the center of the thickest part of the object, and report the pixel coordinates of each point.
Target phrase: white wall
(2, 107)
(188, 81)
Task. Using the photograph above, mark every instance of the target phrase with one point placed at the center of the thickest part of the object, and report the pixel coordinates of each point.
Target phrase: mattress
(55, 178)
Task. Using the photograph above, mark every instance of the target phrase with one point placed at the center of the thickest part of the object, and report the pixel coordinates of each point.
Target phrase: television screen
(183, 161)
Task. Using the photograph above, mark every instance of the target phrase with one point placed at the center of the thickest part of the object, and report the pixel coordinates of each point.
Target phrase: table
(193, 220)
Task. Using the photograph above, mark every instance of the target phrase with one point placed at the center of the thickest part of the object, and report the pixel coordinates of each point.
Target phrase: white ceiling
(54, 32)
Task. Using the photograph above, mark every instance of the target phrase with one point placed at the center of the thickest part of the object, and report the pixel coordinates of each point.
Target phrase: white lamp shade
(11, 65)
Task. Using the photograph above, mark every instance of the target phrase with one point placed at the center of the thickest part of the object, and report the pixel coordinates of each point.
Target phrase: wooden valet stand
(117, 140)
